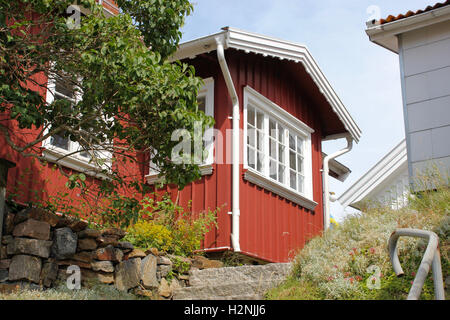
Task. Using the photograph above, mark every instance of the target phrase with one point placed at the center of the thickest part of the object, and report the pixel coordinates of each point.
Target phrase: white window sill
(270, 185)
(205, 170)
(72, 162)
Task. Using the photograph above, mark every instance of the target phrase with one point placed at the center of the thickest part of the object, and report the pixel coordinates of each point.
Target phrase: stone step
(226, 291)
(221, 276)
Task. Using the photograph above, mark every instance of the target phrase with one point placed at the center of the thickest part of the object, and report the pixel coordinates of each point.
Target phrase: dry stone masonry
(37, 247)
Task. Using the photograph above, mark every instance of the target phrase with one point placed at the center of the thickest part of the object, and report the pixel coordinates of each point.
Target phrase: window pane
(299, 145)
(273, 148)
(273, 168)
(260, 140)
(293, 179)
(292, 160)
(300, 183)
(259, 161)
(272, 129)
(281, 169)
(85, 154)
(299, 164)
(64, 87)
(201, 104)
(60, 142)
(281, 153)
(259, 120)
(280, 133)
(251, 136)
(291, 141)
(251, 157)
(251, 116)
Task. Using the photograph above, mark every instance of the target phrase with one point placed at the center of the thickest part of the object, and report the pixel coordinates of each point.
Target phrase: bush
(341, 264)
(165, 225)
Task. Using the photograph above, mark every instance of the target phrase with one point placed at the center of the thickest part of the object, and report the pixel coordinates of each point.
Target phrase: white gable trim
(376, 176)
(267, 46)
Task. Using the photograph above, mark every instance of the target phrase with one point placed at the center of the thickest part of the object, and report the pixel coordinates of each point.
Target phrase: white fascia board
(338, 168)
(378, 174)
(283, 50)
(386, 34)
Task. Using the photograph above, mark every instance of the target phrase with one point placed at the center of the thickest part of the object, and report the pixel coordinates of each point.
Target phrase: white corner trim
(72, 162)
(375, 176)
(273, 186)
(205, 170)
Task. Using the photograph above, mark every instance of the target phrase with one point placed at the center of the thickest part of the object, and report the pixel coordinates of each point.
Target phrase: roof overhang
(337, 170)
(386, 34)
(267, 46)
(373, 179)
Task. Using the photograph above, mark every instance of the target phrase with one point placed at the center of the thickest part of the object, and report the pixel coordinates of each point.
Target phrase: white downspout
(235, 147)
(325, 177)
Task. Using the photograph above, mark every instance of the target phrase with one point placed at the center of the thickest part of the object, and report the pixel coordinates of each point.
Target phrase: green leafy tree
(133, 97)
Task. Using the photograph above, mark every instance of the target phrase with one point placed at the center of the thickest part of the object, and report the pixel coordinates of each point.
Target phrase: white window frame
(75, 161)
(206, 168)
(290, 124)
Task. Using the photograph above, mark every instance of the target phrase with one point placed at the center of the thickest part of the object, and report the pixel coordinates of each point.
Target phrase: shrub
(148, 234)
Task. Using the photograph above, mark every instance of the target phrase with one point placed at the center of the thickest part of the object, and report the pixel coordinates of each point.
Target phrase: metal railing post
(431, 258)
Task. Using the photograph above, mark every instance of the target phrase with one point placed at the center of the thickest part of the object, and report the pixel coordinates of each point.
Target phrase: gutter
(325, 178)
(235, 146)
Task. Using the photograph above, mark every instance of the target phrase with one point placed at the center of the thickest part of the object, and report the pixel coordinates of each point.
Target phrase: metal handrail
(431, 258)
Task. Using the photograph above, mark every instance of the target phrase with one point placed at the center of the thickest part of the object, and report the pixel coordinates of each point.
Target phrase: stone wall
(37, 247)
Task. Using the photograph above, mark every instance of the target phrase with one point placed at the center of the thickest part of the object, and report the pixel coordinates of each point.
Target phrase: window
(58, 146)
(205, 100)
(277, 152)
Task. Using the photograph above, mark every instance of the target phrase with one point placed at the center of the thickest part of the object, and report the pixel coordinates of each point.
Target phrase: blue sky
(365, 76)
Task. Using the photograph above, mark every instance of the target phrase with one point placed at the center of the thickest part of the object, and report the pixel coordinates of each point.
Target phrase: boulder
(86, 244)
(84, 256)
(128, 274)
(40, 248)
(136, 253)
(4, 264)
(78, 225)
(3, 252)
(8, 223)
(119, 233)
(65, 243)
(4, 275)
(125, 246)
(148, 272)
(164, 289)
(89, 275)
(108, 253)
(153, 251)
(164, 270)
(105, 266)
(107, 240)
(24, 267)
(164, 260)
(81, 264)
(49, 274)
(204, 263)
(32, 229)
(7, 239)
(37, 214)
(89, 233)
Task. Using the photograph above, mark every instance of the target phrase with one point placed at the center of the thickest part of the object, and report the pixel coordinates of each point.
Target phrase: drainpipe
(325, 177)
(235, 147)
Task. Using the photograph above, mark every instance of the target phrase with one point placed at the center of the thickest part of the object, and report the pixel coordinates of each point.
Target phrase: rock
(84, 256)
(105, 266)
(7, 239)
(8, 224)
(37, 214)
(78, 225)
(128, 274)
(164, 260)
(125, 246)
(107, 240)
(148, 272)
(153, 251)
(49, 274)
(4, 275)
(25, 267)
(108, 253)
(40, 248)
(89, 233)
(183, 277)
(8, 288)
(114, 232)
(164, 270)
(174, 285)
(204, 263)
(3, 252)
(81, 264)
(33, 229)
(86, 244)
(65, 243)
(136, 253)
(144, 293)
(4, 264)
(106, 278)
(164, 289)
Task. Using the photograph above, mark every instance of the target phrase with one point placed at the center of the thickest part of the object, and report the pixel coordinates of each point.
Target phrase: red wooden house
(272, 107)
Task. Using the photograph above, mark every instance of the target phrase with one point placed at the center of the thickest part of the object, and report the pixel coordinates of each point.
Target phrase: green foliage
(169, 227)
(335, 265)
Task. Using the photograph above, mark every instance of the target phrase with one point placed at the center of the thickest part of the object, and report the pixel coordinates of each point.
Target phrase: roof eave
(283, 50)
(386, 34)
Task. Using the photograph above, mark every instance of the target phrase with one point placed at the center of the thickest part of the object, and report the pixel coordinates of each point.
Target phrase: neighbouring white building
(422, 41)
(386, 183)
